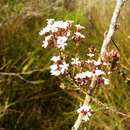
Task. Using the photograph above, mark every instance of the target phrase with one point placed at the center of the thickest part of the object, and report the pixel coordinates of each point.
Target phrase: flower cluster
(59, 66)
(56, 33)
(77, 35)
(84, 78)
(86, 112)
(111, 59)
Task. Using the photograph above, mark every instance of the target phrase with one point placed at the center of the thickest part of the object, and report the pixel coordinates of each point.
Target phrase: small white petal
(99, 72)
(106, 81)
(53, 67)
(75, 61)
(55, 58)
(55, 72)
(45, 44)
(90, 55)
(79, 34)
(79, 26)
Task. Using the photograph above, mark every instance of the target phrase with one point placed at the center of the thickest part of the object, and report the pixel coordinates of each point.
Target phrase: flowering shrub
(59, 34)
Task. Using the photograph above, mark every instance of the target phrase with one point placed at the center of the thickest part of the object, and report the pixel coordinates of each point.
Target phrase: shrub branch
(106, 41)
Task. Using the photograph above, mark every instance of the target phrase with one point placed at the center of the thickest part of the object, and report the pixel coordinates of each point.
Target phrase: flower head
(59, 67)
(83, 78)
(61, 42)
(77, 36)
(55, 58)
(86, 111)
(75, 61)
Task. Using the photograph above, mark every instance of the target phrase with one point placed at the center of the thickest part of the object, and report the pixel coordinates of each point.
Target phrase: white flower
(82, 75)
(45, 30)
(63, 67)
(89, 74)
(106, 81)
(99, 72)
(55, 72)
(75, 61)
(61, 42)
(55, 58)
(96, 63)
(58, 68)
(79, 35)
(45, 43)
(61, 24)
(50, 21)
(54, 67)
(86, 111)
(90, 55)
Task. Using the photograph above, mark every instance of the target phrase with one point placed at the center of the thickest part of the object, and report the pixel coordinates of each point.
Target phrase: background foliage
(30, 99)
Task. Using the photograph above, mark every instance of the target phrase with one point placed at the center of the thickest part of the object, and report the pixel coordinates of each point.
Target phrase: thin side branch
(106, 41)
(20, 75)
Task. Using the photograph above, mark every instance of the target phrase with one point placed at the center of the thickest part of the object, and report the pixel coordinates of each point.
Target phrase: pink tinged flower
(54, 67)
(79, 27)
(83, 78)
(93, 62)
(82, 75)
(45, 30)
(75, 61)
(46, 42)
(63, 67)
(86, 112)
(59, 67)
(77, 36)
(99, 80)
(55, 58)
(61, 42)
(61, 24)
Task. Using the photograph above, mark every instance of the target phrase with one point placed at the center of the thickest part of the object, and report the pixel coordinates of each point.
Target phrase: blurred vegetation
(30, 99)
